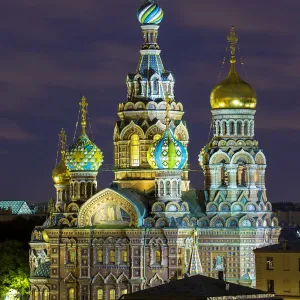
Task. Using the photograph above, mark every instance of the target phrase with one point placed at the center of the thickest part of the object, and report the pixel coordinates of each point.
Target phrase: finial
(62, 140)
(168, 101)
(83, 104)
(232, 39)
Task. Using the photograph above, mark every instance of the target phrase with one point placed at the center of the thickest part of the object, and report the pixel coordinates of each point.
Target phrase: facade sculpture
(143, 230)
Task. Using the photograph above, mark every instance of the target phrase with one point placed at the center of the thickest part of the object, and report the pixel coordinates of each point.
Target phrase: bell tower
(142, 115)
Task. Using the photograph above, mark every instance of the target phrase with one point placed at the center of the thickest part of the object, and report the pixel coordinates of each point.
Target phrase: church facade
(149, 227)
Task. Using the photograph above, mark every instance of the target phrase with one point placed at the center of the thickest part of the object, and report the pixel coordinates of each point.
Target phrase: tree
(14, 270)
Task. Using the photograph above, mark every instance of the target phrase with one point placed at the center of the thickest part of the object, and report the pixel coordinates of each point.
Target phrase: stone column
(251, 175)
(261, 169)
(213, 171)
(232, 172)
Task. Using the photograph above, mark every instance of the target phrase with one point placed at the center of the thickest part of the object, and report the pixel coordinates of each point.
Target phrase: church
(149, 227)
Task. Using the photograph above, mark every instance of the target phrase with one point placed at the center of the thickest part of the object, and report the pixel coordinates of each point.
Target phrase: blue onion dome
(84, 155)
(167, 153)
(150, 13)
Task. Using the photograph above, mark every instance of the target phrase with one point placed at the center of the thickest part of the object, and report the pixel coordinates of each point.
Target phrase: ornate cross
(83, 104)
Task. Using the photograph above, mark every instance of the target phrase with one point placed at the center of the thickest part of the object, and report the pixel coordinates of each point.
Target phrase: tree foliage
(14, 268)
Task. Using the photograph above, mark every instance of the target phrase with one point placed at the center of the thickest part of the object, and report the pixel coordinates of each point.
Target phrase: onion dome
(84, 155)
(233, 92)
(167, 152)
(60, 174)
(150, 13)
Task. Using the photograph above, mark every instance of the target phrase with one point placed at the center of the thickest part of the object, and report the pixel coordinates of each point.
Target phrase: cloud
(11, 131)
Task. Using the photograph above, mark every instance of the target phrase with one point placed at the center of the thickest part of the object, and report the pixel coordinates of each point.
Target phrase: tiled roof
(195, 287)
(18, 207)
(43, 270)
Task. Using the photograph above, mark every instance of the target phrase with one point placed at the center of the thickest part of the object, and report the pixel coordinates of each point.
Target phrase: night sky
(53, 52)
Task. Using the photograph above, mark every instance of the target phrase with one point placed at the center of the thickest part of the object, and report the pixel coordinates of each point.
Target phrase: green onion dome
(84, 155)
(167, 153)
(150, 13)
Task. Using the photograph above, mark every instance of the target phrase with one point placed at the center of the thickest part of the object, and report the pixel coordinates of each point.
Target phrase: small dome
(60, 174)
(150, 13)
(233, 93)
(84, 155)
(167, 153)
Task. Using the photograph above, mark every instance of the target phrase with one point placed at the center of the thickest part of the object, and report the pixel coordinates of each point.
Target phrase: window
(35, 295)
(99, 294)
(158, 256)
(124, 291)
(270, 286)
(135, 150)
(112, 294)
(71, 294)
(286, 263)
(45, 294)
(124, 256)
(286, 286)
(155, 86)
(270, 263)
(112, 256)
(100, 256)
(71, 257)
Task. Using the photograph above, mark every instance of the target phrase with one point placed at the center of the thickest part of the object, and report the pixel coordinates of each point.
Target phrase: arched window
(82, 189)
(139, 87)
(242, 175)
(239, 128)
(124, 256)
(71, 256)
(224, 176)
(174, 189)
(94, 188)
(156, 137)
(76, 189)
(231, 128)
(124, 291)
(112, 256)
(168, 188)
(100, 256)
(135, 150)
(71, 294)
(99, 294)
(223, 127)
(158, 256)
(112, 294)
(246, 128)
(89, 189)
(155, 86)
(35, 294)
(162, 188)
(45, 294)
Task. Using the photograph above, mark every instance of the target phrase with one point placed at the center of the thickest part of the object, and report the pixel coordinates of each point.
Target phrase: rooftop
(284, 246)
(18, 207)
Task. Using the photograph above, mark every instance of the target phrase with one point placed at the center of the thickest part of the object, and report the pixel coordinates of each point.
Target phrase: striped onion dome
(150, 13)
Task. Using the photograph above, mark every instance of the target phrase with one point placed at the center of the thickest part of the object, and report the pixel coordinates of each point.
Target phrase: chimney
(221, 275)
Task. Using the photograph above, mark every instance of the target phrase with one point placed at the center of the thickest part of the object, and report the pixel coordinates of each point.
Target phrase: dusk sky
(53, 52)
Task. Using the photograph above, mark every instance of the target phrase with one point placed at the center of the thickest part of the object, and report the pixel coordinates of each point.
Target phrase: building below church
(149, 227)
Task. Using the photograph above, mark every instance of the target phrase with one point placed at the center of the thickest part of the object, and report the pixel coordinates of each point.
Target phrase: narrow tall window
(135, 150)
(112, 256)
(35, 294)
(100, 256)
(270, 286)
(99, 294)
(82, 189)
(155, 86)
(158, 256)
(124, 256)
(124, 291)
(112, 294)
(45, 294)
(71, 294)
(270, 263)
(71, 254)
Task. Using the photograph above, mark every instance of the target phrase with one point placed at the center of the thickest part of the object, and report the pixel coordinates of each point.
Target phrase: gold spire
(232, 39)
(168, 101)
(62, 141)
(83, 104)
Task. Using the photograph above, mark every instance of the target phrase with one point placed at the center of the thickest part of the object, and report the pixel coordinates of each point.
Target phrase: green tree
(14, 268)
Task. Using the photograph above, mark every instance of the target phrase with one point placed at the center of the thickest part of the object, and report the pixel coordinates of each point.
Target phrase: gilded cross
(83, 104)
(62, 139)
(232, 39)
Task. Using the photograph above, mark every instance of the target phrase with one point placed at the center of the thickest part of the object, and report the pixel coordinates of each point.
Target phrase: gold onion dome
(60, 173)
(233, 92)
(84, 155)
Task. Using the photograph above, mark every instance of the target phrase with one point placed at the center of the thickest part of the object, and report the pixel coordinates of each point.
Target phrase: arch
(185, 222)
(269, 206)
(211, 207)
(267, 221)
(237, 207)
(139, 105)
(181, 132)
(260, 158)
(110, 279)
(173, 207)
(239, 125)
(217, 222)
(203, 222)
(185, 207)
(247, 221)
(129, 106)
(122, 278)
(242, 154)
(134, 150)
(155, 84)
(193, 221)
(152, 131)
(259, 222)
(232, 222)
(98, 279)
(162, 222)
(63, 222)
(151, 105)
(262, 206)
(246, 127)
(158, 207)
(149, 222)
(251, 207)
(156, 280)
(224, 207)
(131, 129)
(218, 157)
(179, 106)
(274, 222)
(73, 207)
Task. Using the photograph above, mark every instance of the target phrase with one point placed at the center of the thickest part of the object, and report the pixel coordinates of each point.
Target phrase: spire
(83, 104)
(232, 39)
(62, 141)
(195, 264)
